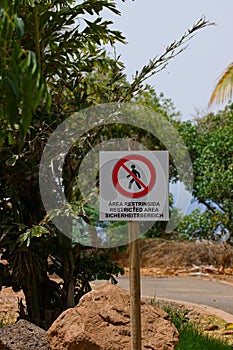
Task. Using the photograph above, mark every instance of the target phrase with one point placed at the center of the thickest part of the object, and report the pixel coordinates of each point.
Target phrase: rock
(23, 335)
(212, 327)
(101, 321)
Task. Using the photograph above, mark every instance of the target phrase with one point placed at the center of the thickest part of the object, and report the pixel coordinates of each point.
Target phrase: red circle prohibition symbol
(121, 164)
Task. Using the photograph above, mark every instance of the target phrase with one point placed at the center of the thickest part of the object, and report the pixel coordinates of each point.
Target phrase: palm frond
(224, 88)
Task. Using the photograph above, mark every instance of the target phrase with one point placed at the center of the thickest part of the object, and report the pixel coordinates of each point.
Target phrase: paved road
(214, 294)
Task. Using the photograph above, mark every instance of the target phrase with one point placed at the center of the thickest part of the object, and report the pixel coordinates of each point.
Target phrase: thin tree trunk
(30, 290)
(68, 272)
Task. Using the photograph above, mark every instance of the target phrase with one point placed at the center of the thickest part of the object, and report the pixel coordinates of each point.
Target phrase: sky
(150, 25)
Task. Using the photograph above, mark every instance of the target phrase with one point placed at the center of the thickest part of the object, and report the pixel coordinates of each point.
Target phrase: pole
(135, 289)
(134, 276)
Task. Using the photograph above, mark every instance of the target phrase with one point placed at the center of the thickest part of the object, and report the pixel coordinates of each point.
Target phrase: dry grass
(160, 253)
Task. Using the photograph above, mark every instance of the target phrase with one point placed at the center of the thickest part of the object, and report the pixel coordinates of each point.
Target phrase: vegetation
(53, 62)
(62, 56)
(191, 338)
(210, 145)
(5, 321)
(2, 323)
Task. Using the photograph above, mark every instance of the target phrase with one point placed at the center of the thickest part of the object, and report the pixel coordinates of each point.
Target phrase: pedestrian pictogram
(133, 186)
(132, 172)
(135, 174)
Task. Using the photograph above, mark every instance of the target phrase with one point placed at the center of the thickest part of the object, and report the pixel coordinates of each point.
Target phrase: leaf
(229, 326)
(32, 89)
(34, 232)
(224, 88)
(11, 102)
(19, 27)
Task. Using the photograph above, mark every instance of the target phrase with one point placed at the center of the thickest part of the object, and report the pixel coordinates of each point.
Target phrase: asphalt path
(214, 294)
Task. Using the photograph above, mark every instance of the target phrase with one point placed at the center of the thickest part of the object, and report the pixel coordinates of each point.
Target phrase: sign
(135, 176)
(134, 186)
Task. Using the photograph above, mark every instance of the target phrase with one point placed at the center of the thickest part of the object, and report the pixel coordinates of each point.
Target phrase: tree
(58, 62)
(210, 145)
(66, 56)
(223, 90)
(20, 76)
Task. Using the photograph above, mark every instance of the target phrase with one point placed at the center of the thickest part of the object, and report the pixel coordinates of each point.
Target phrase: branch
(208, 206)
(37, 34)
(160, 62)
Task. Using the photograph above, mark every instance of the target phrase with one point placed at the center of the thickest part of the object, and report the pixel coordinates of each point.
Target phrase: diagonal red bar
(134, 176)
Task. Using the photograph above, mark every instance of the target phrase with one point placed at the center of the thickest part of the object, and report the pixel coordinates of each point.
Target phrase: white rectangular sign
(134, 186)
